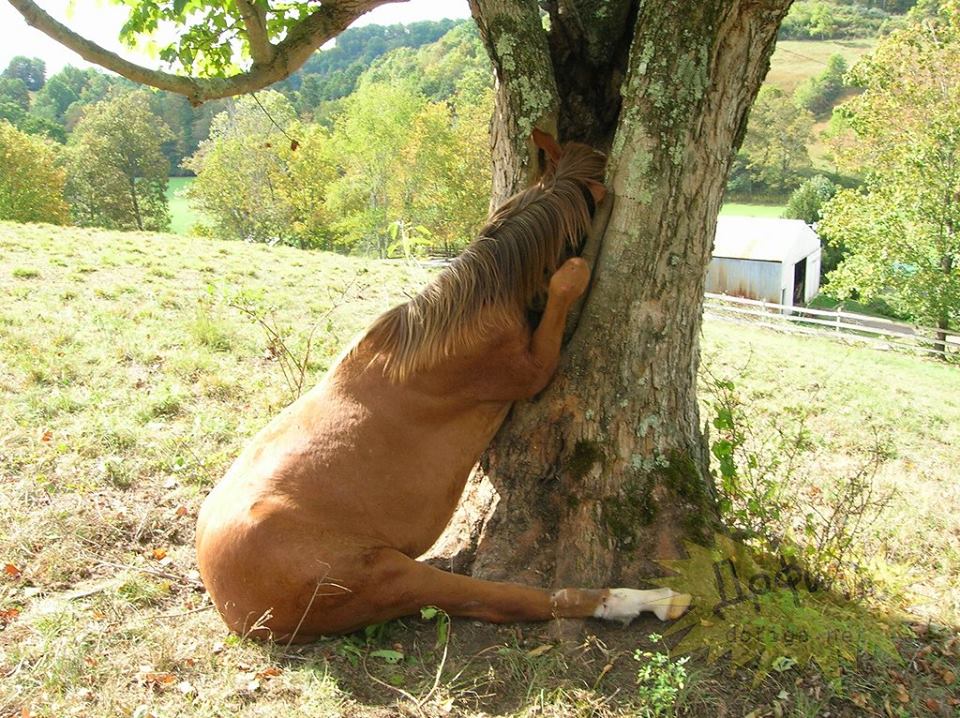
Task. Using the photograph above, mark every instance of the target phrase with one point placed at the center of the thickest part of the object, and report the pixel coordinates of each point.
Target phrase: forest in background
(378, 145)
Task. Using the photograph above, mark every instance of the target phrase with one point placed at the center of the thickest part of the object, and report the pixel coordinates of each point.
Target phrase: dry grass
(128, 383)
(794, 61)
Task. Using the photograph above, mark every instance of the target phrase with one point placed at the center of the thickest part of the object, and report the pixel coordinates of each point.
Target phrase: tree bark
(607, 470)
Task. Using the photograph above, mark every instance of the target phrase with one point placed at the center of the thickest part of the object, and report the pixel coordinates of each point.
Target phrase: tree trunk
(135, 202)
(943, 322)
(607, 470)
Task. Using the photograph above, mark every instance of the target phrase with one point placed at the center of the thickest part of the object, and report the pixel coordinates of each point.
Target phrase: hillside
(130, 376)
(795, 61)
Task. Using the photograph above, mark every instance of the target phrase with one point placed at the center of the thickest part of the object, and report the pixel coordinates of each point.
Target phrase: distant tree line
(836, 20)
(52, 106)
(400, 166)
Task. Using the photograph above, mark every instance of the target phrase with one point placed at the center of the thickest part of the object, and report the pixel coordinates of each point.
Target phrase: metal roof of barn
(765, 239)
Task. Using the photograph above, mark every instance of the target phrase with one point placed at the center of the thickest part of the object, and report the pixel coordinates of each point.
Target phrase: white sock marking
(625, 604)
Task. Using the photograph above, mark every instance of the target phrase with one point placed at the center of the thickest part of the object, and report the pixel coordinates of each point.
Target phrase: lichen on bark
(610, 458)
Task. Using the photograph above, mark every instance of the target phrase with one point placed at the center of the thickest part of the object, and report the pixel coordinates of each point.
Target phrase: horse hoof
(674, 607)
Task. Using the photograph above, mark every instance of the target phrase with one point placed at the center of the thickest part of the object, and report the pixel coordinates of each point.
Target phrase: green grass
(735, 209)
(876, 308)
(183, 216)
(128, 382)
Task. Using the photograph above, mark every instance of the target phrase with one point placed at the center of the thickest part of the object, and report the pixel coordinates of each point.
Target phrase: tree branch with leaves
(206, 46)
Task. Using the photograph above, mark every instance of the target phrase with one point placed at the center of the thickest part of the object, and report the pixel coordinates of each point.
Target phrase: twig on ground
(152, 572)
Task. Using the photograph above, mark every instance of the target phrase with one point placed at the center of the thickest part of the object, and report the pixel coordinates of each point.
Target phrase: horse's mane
(499, 276)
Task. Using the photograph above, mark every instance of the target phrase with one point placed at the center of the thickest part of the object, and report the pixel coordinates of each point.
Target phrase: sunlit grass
(129, 381)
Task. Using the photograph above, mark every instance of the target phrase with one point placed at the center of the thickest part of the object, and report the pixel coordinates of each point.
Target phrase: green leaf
(388, 655)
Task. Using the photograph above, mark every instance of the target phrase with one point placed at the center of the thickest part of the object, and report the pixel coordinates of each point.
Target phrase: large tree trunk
(607, 470)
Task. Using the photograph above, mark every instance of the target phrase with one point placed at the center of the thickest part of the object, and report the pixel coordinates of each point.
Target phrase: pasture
(737, 209)
(795, 61)
(134, 366)
(183, 215)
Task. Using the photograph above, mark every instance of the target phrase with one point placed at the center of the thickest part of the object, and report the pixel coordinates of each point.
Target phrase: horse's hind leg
(400, 586)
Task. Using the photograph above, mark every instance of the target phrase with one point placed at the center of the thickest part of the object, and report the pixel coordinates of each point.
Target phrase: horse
(316, 527)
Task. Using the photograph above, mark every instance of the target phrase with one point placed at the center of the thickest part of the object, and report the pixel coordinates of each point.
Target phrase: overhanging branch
(255, 22)
(271, 62)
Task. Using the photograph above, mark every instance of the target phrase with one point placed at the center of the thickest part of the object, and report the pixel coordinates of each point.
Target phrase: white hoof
(625, 604)
(672, 606)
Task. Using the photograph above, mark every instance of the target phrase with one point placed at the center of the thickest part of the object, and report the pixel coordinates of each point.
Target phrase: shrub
(660, 681)
(819, 94)
(31, 183)
(764, 493)
(808, 199)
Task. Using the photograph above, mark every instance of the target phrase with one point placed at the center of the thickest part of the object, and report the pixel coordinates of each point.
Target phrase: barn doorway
(799, 281)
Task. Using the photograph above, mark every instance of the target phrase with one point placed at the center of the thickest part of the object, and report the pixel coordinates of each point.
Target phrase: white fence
(873, 331)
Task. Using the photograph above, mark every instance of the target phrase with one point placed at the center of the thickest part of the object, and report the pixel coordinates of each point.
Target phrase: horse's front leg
(567, 285)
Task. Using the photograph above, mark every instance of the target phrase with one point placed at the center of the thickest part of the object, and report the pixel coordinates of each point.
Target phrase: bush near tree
(808, 199)
(819, 94)
(31, 182)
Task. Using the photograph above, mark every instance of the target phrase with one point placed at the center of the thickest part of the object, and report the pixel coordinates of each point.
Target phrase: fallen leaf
(159, 554)
(539, 650)
(7, 615)
(12, 570)
(902, 694)
(949, 677)
(269, 672)
(182, 511)
(24, 713)
(46, 436)
(932, 704)
(155, 679)
(859, 699)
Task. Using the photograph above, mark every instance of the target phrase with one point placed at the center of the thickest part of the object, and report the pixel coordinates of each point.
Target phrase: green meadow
(131, 375)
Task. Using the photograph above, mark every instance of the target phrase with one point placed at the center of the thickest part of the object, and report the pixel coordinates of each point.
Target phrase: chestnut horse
(316, 527)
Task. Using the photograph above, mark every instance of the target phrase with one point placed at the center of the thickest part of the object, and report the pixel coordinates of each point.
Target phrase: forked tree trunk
(608, 469)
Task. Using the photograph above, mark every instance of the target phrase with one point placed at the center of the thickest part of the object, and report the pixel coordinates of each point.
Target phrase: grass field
(736, 209)
(129, 381)
(794, 61)
(182, 214)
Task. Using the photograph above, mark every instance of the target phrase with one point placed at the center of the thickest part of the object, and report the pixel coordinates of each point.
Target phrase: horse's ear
(597, 190)
(546, 143)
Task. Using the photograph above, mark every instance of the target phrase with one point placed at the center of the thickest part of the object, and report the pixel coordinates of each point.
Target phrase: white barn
(774, 260)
